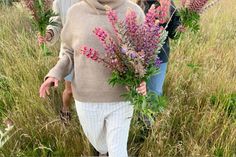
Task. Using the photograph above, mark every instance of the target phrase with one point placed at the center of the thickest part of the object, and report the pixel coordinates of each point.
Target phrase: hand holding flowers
(41, 12)
(47, 38)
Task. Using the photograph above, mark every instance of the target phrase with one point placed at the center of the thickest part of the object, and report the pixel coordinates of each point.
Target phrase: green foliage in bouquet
(189, 19)
(149, 104)
(190, 12)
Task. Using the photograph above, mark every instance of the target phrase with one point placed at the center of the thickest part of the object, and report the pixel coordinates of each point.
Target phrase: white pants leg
(93, 125)
(106, 125)
(118, 124)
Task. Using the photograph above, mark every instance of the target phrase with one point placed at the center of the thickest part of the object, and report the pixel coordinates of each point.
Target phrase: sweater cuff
(55, 36)
(55, 74)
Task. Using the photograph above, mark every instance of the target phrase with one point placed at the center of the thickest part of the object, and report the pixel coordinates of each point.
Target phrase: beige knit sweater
(89, 83)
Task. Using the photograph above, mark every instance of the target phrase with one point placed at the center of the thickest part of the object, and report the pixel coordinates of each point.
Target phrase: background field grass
(200, 119)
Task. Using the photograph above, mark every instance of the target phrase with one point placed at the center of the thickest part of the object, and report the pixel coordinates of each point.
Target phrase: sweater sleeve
(58, 23)
(66, 63)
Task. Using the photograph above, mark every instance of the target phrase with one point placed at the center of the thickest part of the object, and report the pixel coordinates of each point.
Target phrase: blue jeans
(156, 82)
(69, 77)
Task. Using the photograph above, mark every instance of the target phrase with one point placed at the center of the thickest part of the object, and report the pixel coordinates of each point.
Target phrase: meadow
(200, 90)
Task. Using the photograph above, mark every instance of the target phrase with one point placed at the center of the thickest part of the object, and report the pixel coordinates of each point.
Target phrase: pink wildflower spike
(112, 16)
(131, 22)
(197, 5)
(100, 33)
(113, 19)
(209, 5)
(107, 42)
(89, 53)
(83, 50)
(163, 10)
(183, 3)
(151, 16)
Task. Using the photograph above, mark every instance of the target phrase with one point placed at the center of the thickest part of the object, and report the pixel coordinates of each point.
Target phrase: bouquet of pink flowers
(41, 12)
(134, 58)
(191, 10)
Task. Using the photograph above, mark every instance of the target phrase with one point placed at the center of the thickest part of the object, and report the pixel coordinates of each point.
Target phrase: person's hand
(47, 38)
(142, 89)
(44, 89)
(41, 39)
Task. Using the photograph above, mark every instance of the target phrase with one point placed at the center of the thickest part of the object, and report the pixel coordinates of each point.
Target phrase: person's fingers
(48, 36)
(44, 88)
(47, 90)
(144, 93)
(42, 91)
(56, 83)
(142, 86)
(142, 89)
(40, 41)
(143, 83)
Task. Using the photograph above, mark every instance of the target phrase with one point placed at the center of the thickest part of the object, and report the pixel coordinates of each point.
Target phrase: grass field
(200, 119)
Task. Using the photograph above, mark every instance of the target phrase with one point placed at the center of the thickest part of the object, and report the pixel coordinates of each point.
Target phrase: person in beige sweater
(104, 115)
(60, 8)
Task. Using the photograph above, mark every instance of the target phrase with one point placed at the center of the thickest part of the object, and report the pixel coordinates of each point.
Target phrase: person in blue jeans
(156, 82)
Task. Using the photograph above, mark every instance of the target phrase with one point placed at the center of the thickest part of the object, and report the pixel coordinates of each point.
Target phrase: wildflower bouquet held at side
(41, 12)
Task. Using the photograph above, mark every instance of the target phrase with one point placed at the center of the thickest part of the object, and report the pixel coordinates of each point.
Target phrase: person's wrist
(51, 34)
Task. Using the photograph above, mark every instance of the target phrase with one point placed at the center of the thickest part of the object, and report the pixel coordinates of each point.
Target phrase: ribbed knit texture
(90, 79)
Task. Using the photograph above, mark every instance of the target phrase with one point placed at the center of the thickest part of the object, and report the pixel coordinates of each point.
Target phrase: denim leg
(156, 82)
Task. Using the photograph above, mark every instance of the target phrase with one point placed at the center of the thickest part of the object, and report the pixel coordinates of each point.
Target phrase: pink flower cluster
(89, 53)
(131, 23)
(108, 43)
(163, 11)
(137, 46)
(37, 7)
(183, 2)
(151, 16)
(194, 5)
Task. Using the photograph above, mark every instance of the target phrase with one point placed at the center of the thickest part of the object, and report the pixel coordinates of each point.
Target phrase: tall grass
(200, 86)
(38, 129)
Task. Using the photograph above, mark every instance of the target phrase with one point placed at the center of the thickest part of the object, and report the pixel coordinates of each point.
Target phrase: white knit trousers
(106, 125)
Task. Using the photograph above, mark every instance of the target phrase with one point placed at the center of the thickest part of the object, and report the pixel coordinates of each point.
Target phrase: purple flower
(158, 62)
(133, 55)
(124, 49)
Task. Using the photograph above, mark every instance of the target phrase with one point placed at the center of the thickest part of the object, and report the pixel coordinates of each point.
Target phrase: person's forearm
(63, 67)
